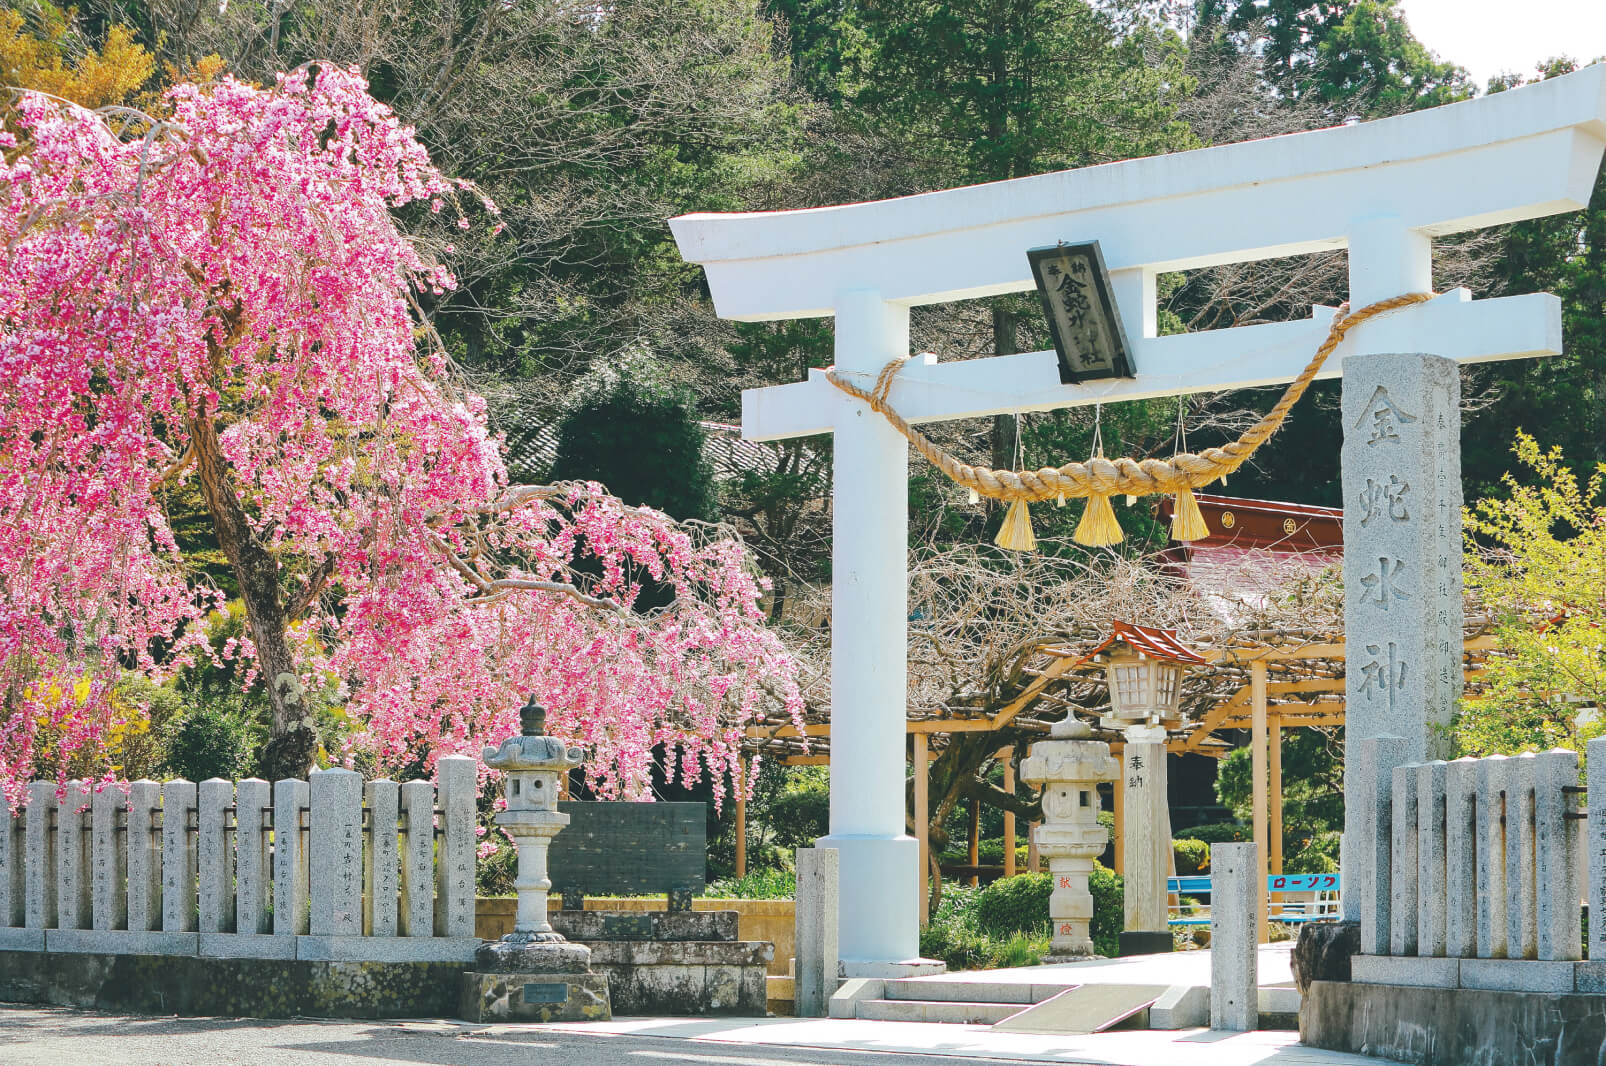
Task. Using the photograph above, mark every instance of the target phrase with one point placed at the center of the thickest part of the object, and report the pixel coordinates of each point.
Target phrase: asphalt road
(53, 1037)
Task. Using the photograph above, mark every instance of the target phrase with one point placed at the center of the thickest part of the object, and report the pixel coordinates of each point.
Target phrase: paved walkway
(31, 1036)
(1173, 968)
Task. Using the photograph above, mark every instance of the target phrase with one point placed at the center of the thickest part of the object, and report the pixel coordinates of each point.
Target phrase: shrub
(1192, 856)
(207, 742)
(758, 884)
(1221, 833)
(1015, 905)
(1109, 909)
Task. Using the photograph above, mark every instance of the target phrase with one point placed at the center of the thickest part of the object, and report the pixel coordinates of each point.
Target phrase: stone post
(12, 852)
(72, 858)
(818, 871)
(1403, 865)
(1234, 954)
(416, 914)
(252, 870)
(1145, 841)
(1371, 850)
(144, 856)
(380, 866)
(457, 783)
(1558, 873)
(533, 973)
(1490, 775)
(1068, 768)
(335, 852)
(1595, 846)
(178, 856)
(1461, 859)
(1401, 463)
(290, 877)
(41, 846)
(1522, 920)
(108, 860)
(1431, 823)
(214, 796)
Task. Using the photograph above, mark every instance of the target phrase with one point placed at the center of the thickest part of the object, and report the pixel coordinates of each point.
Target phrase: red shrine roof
(1268, 524)
(1159, 644)
(1254, 548)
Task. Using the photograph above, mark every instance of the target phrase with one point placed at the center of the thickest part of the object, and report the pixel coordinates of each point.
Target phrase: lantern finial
(532, 718)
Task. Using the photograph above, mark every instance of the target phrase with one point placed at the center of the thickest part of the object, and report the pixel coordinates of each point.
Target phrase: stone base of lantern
(534, 978)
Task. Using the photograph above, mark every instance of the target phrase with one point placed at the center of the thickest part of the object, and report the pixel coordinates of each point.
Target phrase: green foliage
(495, 873)
(630, 428)
(1221, 833)
(956, 936)
(1109, 909)
(211, 741)
(1192, 856)
(1313, 796)
(801, 812)
(760, 884)
(1536, 558)
(1016, 904)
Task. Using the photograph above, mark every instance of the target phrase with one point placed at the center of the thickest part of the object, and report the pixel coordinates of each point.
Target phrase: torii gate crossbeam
(1382, 190)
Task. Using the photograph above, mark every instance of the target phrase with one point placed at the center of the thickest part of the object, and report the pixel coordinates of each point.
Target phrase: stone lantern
(1144, 668)
(533, 973)
(1068, 767)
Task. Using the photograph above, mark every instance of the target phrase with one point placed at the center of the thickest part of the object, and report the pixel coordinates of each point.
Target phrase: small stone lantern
(561, 985)
(1068, 767)
(1144, 668)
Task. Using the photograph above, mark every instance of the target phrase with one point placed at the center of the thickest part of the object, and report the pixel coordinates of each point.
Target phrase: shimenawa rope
(1099, 478)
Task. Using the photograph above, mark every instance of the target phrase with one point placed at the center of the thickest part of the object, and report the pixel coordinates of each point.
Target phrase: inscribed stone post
(1558, 867)
(215, 858)
(1595, 842)
(1402, 864)
(1402, 561)
(108, 858)
(1145, 829)
(335, 852)
(144, 856)
(818, 871)
(178, 856)
(380, 870)
(1491, 862)
(13, 889)
(289, 858)
(252, 804)
(72, 857)
(1461, 859)
(41, 846)
(1374, 760)
(1234, 953)
(1430, 858)
(456, 778)
(417, 911)
(1522, 924)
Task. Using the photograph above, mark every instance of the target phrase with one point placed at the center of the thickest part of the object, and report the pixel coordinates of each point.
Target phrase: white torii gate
(1382, 190)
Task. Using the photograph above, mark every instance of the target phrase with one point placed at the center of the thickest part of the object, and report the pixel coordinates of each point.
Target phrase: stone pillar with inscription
(1402, 566)
(1145, 841)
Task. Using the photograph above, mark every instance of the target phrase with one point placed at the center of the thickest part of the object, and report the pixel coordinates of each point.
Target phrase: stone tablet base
(1454, 1026)
(698, 977)
(530, 997)
(235, 987)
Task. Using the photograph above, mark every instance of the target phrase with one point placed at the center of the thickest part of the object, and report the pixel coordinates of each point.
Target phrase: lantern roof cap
(1155, 643)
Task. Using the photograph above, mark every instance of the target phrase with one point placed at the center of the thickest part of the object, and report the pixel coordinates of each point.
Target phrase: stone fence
(327, 869)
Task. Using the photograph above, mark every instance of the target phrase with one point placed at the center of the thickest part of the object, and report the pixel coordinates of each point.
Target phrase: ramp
(1083, 1009)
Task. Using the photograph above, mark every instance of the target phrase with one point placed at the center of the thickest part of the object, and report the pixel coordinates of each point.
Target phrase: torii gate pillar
(880, 875)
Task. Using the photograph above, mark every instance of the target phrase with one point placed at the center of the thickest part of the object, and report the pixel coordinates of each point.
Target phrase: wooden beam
(1257, 702)
(1008, 755)
(1034, 860)
(1120, 805)
(975, 838)
(1484, 642)
(1275, 830)
(807, 760)
(741, 819)
(922, 773)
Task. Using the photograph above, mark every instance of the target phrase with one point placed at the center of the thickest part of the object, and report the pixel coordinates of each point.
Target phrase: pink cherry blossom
(239, 262)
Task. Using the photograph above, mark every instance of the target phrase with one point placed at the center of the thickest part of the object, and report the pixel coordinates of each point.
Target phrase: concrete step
(928, 988)
(917, 1010)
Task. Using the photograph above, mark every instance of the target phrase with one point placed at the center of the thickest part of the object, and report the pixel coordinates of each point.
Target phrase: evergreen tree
(637, 433)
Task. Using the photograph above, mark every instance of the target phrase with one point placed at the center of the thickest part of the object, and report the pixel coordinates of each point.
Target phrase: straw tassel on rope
(1016, 533)
(1187, 521)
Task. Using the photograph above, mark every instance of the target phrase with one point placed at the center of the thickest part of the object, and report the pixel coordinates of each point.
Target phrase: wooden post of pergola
(922, 774)
(741, 817)
(1276, 830)
(975, 840)
(1008, 755)
(1257, 749)
(1119, 792)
